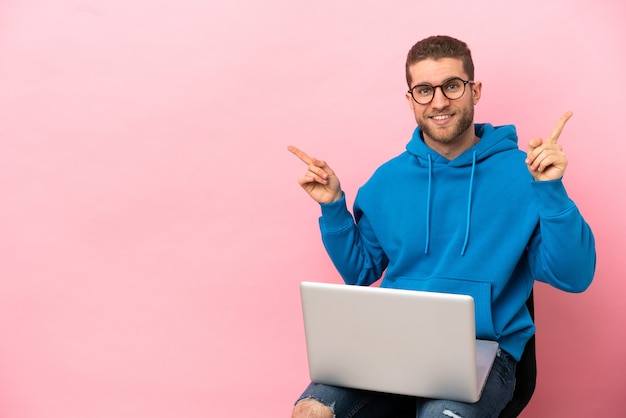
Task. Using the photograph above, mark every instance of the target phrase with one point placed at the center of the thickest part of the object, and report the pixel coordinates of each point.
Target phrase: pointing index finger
(300, 154)
(556, 132)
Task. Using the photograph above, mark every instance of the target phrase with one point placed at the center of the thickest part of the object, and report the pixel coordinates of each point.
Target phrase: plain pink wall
(153, 235)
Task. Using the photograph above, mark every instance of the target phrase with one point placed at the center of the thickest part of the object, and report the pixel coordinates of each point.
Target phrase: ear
(477, 88)
(409, 98)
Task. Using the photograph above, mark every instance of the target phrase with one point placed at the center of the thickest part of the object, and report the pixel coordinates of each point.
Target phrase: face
(444, 122)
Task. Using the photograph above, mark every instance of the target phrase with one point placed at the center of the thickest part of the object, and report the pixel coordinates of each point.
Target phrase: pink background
(152, 232)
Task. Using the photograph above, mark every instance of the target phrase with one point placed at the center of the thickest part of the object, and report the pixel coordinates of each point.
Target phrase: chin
(447, 137)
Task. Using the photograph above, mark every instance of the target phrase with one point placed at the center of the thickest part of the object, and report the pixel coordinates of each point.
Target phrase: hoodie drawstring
(469, 205)
(430, 178)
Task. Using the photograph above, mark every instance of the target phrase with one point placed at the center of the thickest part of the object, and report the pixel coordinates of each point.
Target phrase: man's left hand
(546, 159)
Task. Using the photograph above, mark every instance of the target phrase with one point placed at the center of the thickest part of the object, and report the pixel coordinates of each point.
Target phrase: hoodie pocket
(479, 290)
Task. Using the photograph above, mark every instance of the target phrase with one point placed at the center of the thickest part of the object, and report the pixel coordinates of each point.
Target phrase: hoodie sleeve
(353, 248)
(562, 251)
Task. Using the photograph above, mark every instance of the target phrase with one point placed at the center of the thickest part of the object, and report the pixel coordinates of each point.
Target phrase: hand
(546, 159)
(320, 181)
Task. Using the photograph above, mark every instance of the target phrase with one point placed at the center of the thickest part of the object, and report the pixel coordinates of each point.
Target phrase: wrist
(335, 198)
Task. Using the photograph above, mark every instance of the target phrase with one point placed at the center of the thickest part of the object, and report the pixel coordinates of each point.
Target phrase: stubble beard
(445, 137)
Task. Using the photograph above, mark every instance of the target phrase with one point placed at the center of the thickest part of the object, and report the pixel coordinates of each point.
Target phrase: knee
(310, 408)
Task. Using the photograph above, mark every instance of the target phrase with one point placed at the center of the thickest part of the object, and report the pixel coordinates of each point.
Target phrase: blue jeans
(356, 403)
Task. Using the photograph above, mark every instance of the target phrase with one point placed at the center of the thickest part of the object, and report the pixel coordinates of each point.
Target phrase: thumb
(534, 143)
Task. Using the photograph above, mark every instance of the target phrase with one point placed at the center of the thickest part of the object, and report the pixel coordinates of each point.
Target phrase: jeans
(356, 403)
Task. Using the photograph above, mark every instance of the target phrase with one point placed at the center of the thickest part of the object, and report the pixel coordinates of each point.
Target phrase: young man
(462, 210)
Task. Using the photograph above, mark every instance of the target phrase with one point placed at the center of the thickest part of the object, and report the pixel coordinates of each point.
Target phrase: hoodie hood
(492, 140)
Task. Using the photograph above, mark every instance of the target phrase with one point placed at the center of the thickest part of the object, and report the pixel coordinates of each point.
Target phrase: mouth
(441, 119)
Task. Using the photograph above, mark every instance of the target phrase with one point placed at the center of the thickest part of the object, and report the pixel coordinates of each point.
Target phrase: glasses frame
(465, 83)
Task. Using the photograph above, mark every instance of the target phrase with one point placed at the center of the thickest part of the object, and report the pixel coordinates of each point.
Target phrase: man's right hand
(320, 181)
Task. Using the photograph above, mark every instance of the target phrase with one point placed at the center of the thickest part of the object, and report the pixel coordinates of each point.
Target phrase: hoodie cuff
(552, 197)
(335, 215)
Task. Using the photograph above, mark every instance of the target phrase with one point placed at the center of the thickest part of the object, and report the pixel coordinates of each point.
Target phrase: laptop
(396, 341)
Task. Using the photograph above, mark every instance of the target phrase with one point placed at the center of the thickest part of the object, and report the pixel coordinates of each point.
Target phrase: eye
(423, 90)
(453, 85)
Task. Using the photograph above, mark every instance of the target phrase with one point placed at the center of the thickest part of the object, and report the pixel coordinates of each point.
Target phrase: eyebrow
(443, 82)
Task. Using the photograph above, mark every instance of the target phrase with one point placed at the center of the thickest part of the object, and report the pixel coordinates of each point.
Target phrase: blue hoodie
(477, 225)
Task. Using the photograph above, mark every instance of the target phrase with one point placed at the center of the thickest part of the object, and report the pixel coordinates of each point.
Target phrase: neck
(454, 147)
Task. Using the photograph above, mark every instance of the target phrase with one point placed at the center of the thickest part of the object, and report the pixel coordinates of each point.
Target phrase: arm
(562, 251)
(353, 249)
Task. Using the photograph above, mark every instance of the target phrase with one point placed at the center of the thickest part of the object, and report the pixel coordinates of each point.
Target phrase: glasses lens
(423, 93)
(453, 89)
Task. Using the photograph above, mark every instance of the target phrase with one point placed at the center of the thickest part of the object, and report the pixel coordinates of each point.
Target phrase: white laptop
(397, 341)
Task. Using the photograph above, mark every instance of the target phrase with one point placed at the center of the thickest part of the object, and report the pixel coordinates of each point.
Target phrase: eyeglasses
(453, 89)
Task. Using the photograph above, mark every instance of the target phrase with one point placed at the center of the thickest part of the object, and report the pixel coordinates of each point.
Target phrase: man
(462, 210)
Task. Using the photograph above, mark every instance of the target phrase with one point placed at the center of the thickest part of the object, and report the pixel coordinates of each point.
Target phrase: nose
(439, 99)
